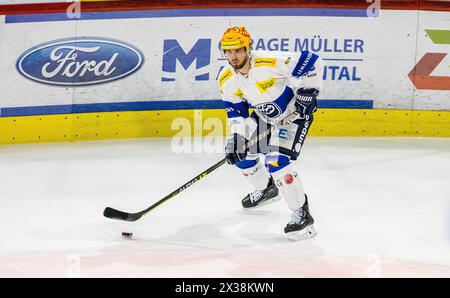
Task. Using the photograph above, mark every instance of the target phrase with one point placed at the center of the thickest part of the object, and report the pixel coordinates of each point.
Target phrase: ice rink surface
(381, 206)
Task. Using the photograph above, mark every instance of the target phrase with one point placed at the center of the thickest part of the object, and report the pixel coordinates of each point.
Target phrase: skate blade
(306, 233)
(267, 202)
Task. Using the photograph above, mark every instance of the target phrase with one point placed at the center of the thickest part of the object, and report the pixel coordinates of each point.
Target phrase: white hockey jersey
(269, 86)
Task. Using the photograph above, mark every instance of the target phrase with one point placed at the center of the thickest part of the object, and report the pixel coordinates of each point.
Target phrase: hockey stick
(120, 215)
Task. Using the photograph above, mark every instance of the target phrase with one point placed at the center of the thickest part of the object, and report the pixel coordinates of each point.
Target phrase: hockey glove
(305, 101)
(235, 149)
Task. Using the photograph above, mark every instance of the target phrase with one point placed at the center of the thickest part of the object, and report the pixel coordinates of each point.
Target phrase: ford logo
(80, 61)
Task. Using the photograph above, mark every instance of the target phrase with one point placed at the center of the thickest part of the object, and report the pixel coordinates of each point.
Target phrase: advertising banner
(152, 59)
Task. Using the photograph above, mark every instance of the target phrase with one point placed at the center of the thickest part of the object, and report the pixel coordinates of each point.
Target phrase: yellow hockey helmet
(235, 38)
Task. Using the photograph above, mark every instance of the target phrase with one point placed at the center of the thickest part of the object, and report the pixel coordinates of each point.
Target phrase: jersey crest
(271, 109)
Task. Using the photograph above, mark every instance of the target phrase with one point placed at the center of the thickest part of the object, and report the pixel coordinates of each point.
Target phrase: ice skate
(260, 198)
(301, 225)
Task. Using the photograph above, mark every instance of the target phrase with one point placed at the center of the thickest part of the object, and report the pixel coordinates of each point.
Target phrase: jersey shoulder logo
(271, 62)
(271, 110)
(265, 85)
(225, 77)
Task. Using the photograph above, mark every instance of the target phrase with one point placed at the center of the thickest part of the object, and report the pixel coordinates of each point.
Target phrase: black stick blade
(120, 215)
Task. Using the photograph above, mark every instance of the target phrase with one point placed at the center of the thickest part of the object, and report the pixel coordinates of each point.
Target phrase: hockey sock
(257, 176)
(290, 187)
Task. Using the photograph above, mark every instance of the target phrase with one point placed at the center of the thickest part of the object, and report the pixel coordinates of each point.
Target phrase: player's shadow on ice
(241, 229)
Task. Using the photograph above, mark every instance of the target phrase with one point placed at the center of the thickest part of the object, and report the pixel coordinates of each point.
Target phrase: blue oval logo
(80, 61)
(271, 110)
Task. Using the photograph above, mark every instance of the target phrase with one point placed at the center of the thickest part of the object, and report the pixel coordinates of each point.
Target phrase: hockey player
(275, 84)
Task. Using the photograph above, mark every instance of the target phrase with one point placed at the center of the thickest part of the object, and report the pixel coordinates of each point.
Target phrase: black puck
(128, 235)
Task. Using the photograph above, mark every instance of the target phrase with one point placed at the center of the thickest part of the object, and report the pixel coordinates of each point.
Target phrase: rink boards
(152, 73)
(185, 123)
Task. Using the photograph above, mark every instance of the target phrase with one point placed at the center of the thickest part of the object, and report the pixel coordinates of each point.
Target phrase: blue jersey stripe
(284, 99)
(237, 109)
(245, 164)
(305, 63)
(300, 61)
(310, 65)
